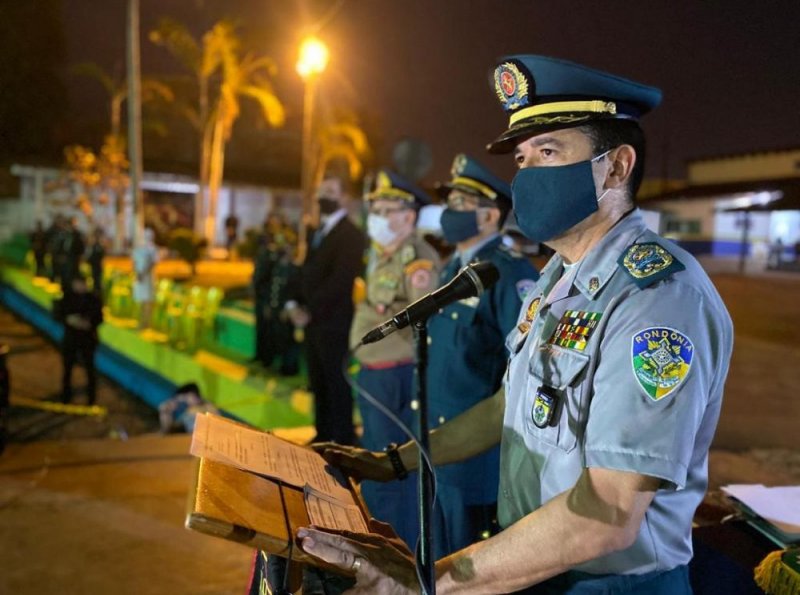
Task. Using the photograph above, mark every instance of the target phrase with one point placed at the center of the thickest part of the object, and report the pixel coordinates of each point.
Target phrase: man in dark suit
(324, 308)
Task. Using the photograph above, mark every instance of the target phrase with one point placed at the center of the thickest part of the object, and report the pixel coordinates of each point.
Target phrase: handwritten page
(778, 505)
(331, 513)
(235, 444)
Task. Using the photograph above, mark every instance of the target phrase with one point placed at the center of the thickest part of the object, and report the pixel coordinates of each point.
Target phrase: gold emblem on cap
(510, 85)
(383, 181)
(459, 165)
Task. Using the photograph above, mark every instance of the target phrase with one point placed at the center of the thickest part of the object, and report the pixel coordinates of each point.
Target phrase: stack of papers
(775, 511)
(329, 502)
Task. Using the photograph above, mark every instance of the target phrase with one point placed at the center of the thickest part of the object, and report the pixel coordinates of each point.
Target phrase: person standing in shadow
(81, 313)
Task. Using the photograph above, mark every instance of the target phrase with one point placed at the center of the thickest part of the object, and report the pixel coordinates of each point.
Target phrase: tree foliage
(223, 76)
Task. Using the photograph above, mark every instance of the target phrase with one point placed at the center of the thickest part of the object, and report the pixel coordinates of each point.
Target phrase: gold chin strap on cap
(475, 185)
(597, 106)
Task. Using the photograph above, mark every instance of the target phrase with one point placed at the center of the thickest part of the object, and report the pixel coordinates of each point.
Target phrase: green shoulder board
(648, 263)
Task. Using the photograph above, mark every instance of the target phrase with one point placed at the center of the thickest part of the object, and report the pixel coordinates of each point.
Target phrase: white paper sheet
(228, 442)
(331, 513)
(778, 505)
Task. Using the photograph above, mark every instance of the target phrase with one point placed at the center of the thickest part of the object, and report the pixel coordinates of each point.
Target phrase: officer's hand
(357, 462)
(379, 565)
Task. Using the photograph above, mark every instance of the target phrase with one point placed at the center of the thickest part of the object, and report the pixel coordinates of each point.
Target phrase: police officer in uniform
(616, 373)
(283, 281)
(275, 278)
(401, 268)
(81, 313)
(467, 357)
(263, 264)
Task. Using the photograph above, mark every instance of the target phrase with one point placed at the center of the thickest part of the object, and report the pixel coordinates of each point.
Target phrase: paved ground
(93, 505)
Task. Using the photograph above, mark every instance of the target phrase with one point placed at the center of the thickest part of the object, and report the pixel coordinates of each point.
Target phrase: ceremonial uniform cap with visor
(541, 94)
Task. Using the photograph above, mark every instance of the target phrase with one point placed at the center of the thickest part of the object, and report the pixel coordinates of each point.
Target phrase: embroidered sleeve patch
(575, 329)
(661, 359)
(420, 273)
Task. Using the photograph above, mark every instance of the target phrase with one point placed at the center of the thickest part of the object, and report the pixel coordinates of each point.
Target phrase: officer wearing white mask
(401, 268)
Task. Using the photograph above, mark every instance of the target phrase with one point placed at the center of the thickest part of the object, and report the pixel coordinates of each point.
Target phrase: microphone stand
(425, 480)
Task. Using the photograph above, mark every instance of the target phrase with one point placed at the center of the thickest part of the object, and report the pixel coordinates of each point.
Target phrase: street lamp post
(311, 62)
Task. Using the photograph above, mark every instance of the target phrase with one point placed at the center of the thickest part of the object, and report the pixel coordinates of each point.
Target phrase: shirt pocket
(560, 370)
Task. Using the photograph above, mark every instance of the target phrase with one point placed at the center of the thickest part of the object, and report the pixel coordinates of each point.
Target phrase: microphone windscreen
(487, 273)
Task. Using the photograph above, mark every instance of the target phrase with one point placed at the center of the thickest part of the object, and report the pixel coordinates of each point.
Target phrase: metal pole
(306, 167)
(135, 120)
(743, 249)
(425, 480)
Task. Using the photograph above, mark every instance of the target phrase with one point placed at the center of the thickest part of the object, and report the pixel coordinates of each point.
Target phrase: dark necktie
(317, 239)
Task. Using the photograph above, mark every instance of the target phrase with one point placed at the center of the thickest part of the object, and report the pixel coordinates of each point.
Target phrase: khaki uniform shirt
(393, 282)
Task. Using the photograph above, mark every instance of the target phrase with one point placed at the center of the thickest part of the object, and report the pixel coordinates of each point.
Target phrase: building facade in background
(735, 205)
(168, 203)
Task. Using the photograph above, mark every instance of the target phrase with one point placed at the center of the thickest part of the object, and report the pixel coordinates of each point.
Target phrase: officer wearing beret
(615, 378)
(401, 268)
(467, 357)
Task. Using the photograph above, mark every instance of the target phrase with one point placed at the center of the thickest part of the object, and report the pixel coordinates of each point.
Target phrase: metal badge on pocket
(544, 406)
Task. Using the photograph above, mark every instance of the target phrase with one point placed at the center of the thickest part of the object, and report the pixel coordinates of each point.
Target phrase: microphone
(471, 281)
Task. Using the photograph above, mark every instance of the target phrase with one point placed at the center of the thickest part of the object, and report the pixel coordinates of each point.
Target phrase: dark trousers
(40, 266)
(326, 350)
(72, 353)
(261, 330)
(393, 502)
(280, 344)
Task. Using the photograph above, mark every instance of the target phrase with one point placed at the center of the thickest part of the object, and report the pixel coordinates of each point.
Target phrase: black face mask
(328, 206)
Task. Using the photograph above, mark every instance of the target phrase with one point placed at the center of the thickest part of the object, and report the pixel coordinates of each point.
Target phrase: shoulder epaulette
(508, 254)
(649, 262)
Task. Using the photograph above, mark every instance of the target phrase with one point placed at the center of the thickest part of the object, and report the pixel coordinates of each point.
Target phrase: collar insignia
(511, 86)
(533, 307)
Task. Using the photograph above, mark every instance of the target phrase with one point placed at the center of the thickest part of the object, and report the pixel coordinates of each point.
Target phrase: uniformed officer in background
(401, 268)
(263, 262)
(275, 279)
(81, 312)
(467, 358)
(616, 374)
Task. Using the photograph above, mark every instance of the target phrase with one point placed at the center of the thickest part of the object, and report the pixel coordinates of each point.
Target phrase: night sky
(730, 71)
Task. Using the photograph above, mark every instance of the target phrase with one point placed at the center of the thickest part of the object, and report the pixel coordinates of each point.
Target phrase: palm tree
(203, 62)
(341, 140)
(248, 76)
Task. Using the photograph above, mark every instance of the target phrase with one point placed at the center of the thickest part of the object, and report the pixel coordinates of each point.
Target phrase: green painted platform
(219, 370)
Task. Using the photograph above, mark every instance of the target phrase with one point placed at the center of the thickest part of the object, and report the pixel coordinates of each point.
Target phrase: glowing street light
(311, 62)
(313, 57)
